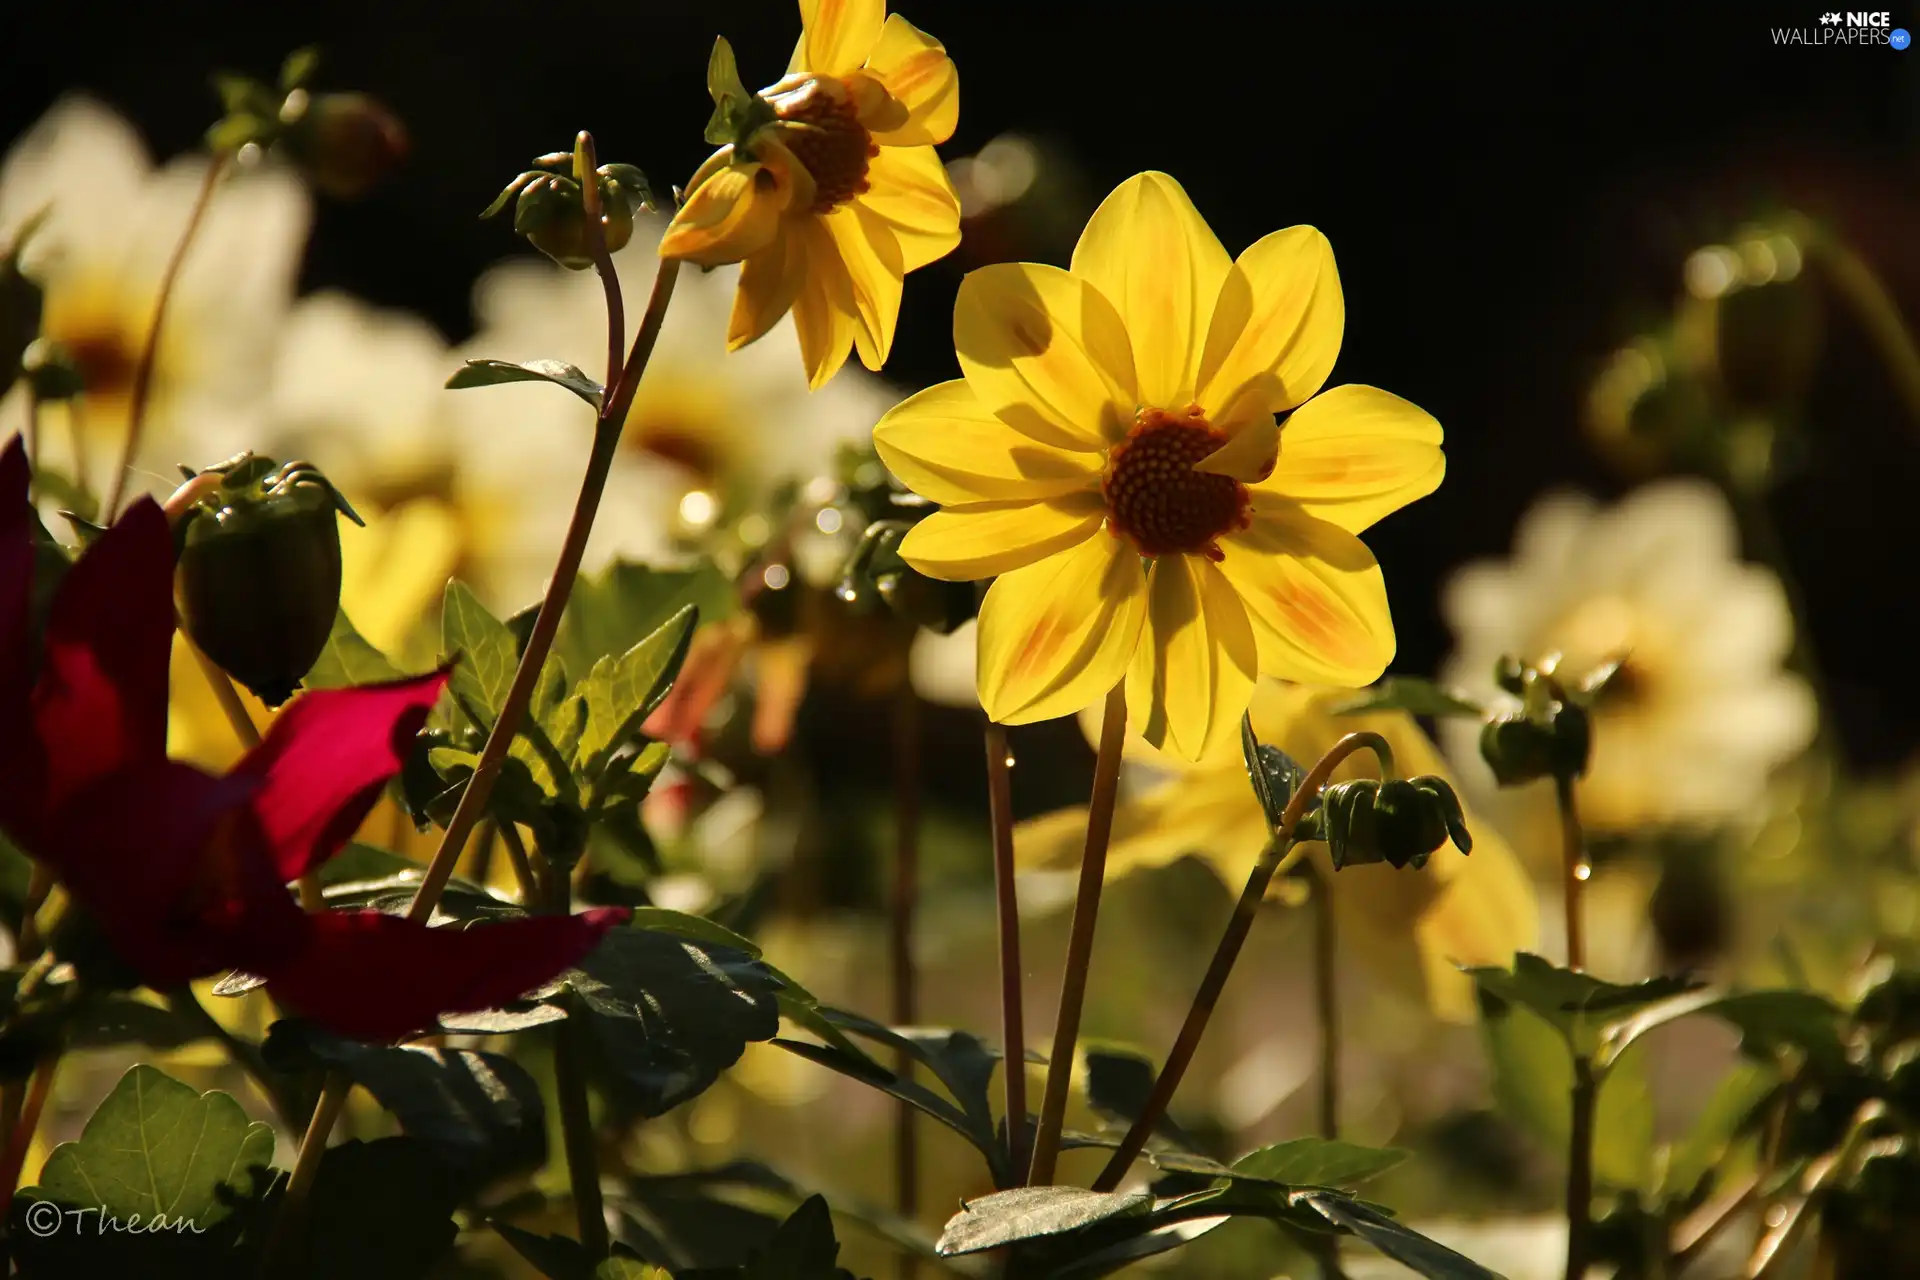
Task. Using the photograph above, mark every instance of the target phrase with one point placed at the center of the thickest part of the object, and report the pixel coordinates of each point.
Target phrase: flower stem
(1086, 910)
(20, 1137)
(142, 390)
(617, 399)
(1874, 307)
(1326, 1003)
(291, 1220)
(1576, 869)
(1282, 852)
(576, 1118)
(530, 887)
(906, 893)
(1006, 903)
(39, 885)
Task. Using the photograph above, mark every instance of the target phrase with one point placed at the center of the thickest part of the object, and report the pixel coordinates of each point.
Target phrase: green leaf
(960, 1060)
(1318, 1162)
(482, 650)
(672, 1013)
(803, 1248)
(1026, 1213)
(1405, 1246)
(1118, 1086)
(1533, 1084)
(620, 693)
(1275, 774)
(1768, 1021)
(738, 112)
(493, 373)
(857, 1066)
(629, 1269)
(622, 605)
(477, 1111)
(381, 1210)
(348, 660)
(358, 862)
(1715, 1128)
(156, 1147)
(1579, 1006)
(115, 1018)
(1410, 694)
(298, 68)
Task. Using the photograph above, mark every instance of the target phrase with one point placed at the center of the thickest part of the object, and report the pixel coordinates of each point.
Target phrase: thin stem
(1580, 1168)
(1575, 872)
(906, 893)
(617, 400)
(1086, 911)
(143, 368)
(1771, 1255)
(306, 1167)
(1006, 905)
(1280, 854)
(1874, 307)
(20, 1137)
(530, 887)
(606, 440)
(576, 1118)
(39, 885)
(1692, 1234)
(584, 165)
(1326, 1003)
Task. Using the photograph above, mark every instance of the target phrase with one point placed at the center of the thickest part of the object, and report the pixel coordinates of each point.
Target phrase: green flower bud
(1510, 674)
(550, 210)
(343, 142)
(1402, 821)
(1520, 749)
(259, 573)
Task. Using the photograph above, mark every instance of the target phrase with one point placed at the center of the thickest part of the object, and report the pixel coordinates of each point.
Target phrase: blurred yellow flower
(113, 221)
(1112, 454)
(1700, 712)
(1412, 927)
(830, 203)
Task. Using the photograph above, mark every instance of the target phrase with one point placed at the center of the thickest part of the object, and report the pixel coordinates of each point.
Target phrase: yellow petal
(1152, 255)
(872, 258)
(824, 315)
(1045, 351)
(733, 214)
(770, 281)
(943, 444)
(1275, 329)
(1059, 634)
(909, 188)
(1354, 454)
(916, 73)
(1316, 596)
(1194, 671)
(837, 35)
(1249, 456)
(962, 544)
(1210, 813)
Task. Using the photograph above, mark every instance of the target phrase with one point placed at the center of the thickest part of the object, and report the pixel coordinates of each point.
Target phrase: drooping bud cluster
(1401, 821)
(550, 207)
(259, 570)
(875, 573)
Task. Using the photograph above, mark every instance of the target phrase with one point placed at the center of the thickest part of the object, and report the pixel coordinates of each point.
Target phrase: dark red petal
(101, 702)
(166, 859)
(324, 761)
(377, 977)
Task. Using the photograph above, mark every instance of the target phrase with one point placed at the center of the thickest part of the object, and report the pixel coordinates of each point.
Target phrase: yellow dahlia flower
(1112, 454)
(831, 192)
(1413, 928)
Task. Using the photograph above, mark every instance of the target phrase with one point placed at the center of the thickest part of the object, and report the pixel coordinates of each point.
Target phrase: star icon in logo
(1830, 19)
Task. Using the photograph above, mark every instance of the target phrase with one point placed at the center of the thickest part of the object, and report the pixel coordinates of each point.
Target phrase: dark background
(1510, 193)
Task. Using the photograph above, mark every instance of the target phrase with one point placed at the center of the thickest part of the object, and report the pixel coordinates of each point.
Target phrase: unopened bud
(344, 142)
(1520, 749)
(259, 573)
(1401, 821)
(550, 210)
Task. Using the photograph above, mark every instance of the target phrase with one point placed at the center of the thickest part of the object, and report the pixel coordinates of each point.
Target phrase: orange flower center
(826, 136)
(1158, 501)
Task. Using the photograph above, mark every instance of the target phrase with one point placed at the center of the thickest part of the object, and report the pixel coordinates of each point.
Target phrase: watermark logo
(44, 1218)
(1848, 29)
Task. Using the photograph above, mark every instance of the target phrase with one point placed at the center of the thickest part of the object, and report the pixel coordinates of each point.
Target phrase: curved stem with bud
(1281, 853)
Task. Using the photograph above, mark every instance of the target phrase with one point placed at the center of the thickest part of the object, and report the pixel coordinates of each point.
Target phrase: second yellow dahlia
(1112, 455)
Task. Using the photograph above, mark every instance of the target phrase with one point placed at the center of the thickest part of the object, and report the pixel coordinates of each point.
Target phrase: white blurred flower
(114, 221)
(710, 431)
(1689, 729)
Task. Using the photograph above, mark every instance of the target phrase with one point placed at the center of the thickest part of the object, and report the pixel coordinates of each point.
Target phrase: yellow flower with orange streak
(1412, 927)
(1112, 456)
(837, 193)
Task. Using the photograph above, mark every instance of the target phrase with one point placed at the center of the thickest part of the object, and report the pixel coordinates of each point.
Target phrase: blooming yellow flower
(1112, 454)
(1413, 927)
(836, 193)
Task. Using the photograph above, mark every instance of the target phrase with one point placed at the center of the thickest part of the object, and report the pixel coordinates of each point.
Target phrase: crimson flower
(185, 871)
